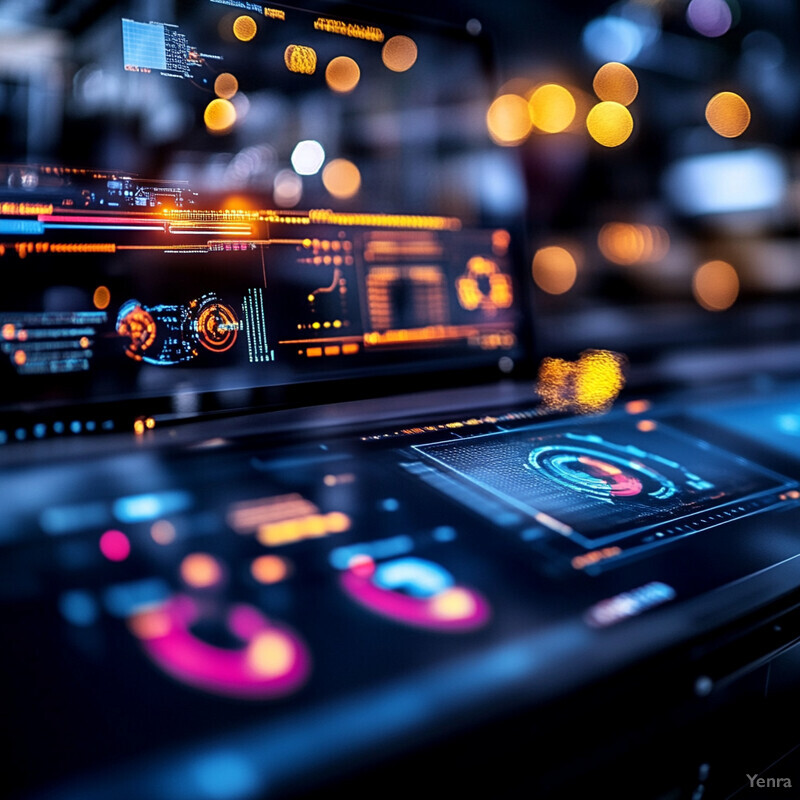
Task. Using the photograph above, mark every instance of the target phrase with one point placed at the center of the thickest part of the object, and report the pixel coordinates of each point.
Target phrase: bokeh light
(269, 569)
(150, 624)
(307, 157)
(399, 53)
(226, 85)
(616, 82)
(609, 124)
(342, 74)
(728, 114)
(626, 243)
(101, 297)
(219, 116)
(613, 38)
(270, 654)
(115, 546)
(244, 28)
(554, 269)
(508, 120)
(163, 531)
(341, 178)
(287, 188)
(453, 603)
(587, 386)
(299, 58)
(200, 570)
(715, 285)
(709, 17)
(551, 108)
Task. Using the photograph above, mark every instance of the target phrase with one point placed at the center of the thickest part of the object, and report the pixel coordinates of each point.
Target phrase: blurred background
(658, 141)
(669, 232)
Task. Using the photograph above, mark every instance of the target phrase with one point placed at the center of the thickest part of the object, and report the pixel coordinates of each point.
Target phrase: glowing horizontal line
(100, 220)
(192, 247)
(208, 233)
(318, 341)
(105, 227)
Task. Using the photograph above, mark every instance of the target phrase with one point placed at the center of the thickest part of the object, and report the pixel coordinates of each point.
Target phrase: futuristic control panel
(233, 205)
(263, 616)
(235, 298)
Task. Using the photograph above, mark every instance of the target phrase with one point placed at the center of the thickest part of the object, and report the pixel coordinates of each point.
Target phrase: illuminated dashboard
(248, 196)
(271, 609)
(272, 294)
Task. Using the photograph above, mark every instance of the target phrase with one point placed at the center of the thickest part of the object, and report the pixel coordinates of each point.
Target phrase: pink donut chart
(272, 660)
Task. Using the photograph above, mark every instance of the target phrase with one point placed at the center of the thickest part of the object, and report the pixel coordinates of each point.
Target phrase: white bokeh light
(307, 157)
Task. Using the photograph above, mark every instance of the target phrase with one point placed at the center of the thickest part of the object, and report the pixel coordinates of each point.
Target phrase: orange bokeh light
(244, 28)
(399, 53)
(219, 116)
(200, 570)
(341, 178)
(508, 120)
(102, 297)
(342, 74)
(715, 285)
(226, 85)
(728, 114)
(269, 569)
(616, 82)
(554, 269)
(627, 243)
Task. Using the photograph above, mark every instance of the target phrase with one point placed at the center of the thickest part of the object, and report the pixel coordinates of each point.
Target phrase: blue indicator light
(414, 576)
(144, 507)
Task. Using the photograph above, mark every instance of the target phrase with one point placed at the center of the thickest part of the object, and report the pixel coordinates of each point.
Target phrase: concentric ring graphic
(600, 475)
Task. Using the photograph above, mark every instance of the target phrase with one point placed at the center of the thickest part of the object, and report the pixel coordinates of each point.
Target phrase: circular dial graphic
(217, 327)
(138, 325)
(600, 475)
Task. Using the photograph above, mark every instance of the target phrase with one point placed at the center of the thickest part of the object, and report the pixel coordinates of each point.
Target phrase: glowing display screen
(607, 482)
(244, 197)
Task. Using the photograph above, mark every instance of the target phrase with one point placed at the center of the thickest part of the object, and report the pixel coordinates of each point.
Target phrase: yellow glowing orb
(341, 178)
(554, 269)
(452, 604)
(244, 28)
(609, 123)
(226, 85)
(270, 654)
(299, 58)
(728, 114)
(715, 285)
(616, 82)
(342, 74)
(588, 385)
(552, 108)
(219, 116)
(508, 120)
(399, 53)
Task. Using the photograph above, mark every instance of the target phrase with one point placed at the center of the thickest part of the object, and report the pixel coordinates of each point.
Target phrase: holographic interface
(607, 481)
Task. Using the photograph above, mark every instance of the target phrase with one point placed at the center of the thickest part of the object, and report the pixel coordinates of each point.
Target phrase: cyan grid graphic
(143, 45)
